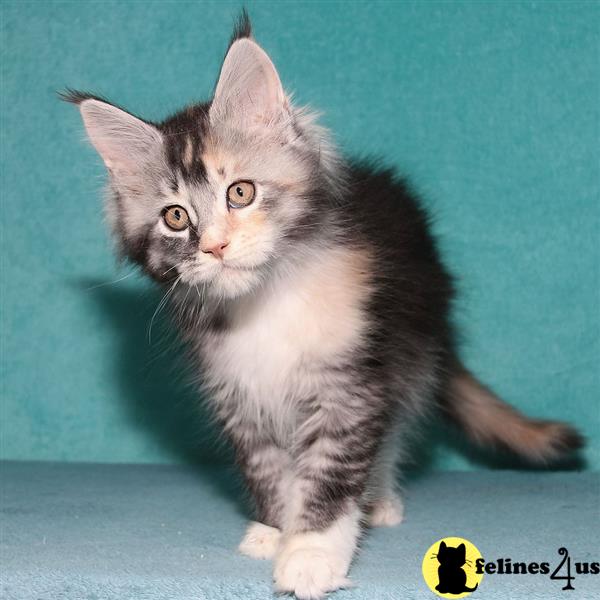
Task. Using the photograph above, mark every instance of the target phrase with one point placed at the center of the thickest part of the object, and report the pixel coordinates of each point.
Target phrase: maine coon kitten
(313, 300)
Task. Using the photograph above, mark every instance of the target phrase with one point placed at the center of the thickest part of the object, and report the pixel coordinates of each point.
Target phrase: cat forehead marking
(188, 152)
(215, 161)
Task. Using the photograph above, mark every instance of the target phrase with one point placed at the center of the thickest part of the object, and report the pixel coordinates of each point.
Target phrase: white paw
(260, 541)
(387, 512)
(309, 573)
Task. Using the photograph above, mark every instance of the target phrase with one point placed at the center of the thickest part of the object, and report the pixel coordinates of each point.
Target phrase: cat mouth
(233, 267)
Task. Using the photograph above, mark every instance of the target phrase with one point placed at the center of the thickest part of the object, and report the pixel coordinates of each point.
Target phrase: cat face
(451, 557)
(217, 195)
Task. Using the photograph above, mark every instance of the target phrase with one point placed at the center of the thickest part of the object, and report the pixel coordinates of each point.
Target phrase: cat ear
(249, 91)
(442, 546)
(462, 549)
(125, 143)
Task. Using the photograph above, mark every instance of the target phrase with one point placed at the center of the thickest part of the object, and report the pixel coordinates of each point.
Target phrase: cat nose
(216, 248)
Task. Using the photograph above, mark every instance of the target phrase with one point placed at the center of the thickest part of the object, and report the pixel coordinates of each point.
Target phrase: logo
(453, 568)
(449, 568)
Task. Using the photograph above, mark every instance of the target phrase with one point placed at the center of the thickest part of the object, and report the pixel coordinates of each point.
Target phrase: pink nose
(217, 249)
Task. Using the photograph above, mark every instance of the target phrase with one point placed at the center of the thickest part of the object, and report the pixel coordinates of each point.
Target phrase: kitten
(313, 300)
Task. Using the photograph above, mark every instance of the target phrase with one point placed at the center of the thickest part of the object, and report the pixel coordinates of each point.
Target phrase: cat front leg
(334, 453)
(265, 466)
(260, 541)
(311, 563)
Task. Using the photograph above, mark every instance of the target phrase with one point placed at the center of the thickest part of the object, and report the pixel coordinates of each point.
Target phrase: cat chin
(233, 283)
(219, 281)
(230, 283)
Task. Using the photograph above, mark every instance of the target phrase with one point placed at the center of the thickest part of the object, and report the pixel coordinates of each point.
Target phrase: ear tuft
(242, 28)
(77, 97)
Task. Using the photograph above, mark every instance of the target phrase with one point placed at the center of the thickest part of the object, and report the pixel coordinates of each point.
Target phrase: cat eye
(240, 194)
(176, 218)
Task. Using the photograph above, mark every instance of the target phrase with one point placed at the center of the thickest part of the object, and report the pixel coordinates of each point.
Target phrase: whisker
(160, 306)
(173, 267)
(99, 285)
(198, 292)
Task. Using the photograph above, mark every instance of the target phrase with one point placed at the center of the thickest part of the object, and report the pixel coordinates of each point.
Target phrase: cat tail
(468, 589)
(489, 421)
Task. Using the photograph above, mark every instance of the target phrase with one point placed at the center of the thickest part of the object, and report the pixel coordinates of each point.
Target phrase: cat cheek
(252, 237)
(246, 221)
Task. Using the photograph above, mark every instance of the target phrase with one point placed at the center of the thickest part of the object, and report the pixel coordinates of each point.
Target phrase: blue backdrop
(491, 107)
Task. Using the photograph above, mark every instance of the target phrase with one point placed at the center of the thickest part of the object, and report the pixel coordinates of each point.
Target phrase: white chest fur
(276, 339)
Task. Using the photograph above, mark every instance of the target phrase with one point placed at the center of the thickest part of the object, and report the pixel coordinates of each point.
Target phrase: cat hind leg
(387, 511)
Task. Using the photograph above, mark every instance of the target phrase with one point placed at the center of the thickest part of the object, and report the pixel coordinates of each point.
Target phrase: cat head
(449, 556)
(220, 193)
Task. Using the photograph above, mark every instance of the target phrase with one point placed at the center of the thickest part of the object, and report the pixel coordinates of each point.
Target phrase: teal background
(491, 107)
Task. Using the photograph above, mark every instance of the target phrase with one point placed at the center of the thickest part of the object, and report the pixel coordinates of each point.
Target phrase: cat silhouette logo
(449, 568)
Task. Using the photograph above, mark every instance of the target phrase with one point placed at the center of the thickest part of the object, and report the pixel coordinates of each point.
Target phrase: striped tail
(488, 421)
